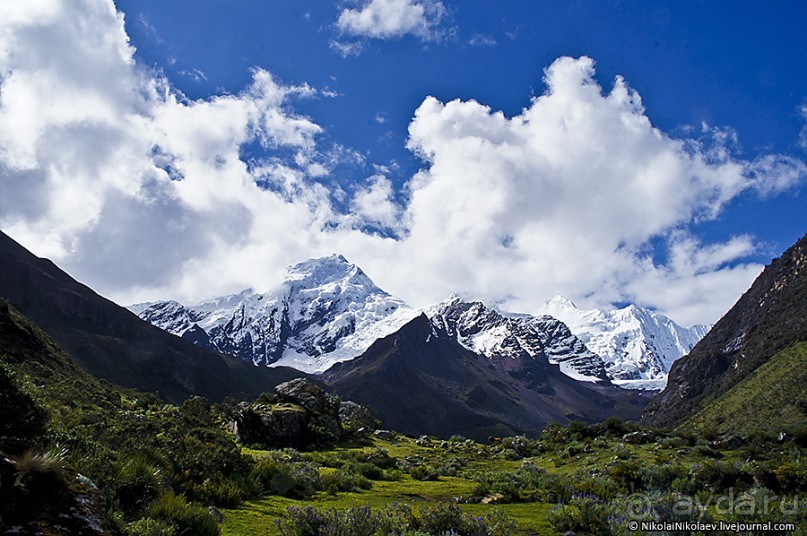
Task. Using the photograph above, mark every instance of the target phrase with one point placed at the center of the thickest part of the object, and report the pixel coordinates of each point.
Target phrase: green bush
(138, 482)
(42, 471)
(527, 483)
(22, 419)
(345, 479)
(396, 519)
(149, 527)
(584, 515)
(792, 476)
(185, 518)
(309, 521)
(446, 518)
(614, 427)
(720, 476)
(627, 474)
(278, 474)
(221, 492)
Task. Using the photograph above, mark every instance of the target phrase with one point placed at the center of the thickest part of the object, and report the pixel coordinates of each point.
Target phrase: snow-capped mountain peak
(638, 345)
(326, 310)
(333, 269)
(559, 302)
(506, 338)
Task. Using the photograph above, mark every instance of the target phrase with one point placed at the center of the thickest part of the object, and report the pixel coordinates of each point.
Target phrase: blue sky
(443, 146)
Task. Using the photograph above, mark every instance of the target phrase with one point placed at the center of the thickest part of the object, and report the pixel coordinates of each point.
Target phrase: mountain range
(328, 310)
(458, 367)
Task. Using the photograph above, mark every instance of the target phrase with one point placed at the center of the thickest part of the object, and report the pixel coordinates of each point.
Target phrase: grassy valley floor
(583, 468)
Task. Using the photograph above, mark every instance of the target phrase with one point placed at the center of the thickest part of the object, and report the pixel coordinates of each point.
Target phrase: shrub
(622, 452)
(451, 519)
(184, 517)
(149, 527)
(394, 519)
(309, 521)
(586, 515)
(447, 519)
(662, 476)
(424, 472)
(221, 491)
(595, 486)
(580, 430)
(43, 471)
(719, 476)
(22, 419)
(792, 476)
(345, 479)
(279, 475)
(706, 451)
(627, 474)
(526, 483)
(521, 446)
(613, 427)
(138, 483)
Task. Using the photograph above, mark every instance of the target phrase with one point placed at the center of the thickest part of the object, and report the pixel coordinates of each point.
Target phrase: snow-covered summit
(326, 310)
(505, 337)
(637, 344)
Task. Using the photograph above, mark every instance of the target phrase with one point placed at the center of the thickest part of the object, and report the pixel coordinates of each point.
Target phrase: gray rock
(640, 438)
(310, 396)
(271, 427)
(354, 416)
(386, 435)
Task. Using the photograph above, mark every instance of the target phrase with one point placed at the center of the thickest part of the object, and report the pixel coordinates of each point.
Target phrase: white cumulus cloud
(385, 19)
(567, 196)
(145, 194)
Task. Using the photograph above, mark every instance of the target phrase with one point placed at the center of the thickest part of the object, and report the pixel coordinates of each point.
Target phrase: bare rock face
(512, 341)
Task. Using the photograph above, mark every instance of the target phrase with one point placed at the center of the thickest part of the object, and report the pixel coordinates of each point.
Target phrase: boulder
(424, 441)
(271, 427)
(310, 396)
(323, 407)
(354, 417)
(641, 437)
(386, 435)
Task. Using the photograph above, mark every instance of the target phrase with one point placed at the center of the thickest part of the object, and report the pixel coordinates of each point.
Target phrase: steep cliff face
(769, 317)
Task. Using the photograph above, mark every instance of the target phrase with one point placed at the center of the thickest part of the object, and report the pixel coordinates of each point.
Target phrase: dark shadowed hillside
(112, 343)
(422, 381)
(771, 316)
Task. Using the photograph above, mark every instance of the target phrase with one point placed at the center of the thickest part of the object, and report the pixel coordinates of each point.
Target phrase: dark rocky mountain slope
(771, 316)
(421, 380)
(114, 344)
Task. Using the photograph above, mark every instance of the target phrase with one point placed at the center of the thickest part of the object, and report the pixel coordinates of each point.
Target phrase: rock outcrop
(300, 414)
